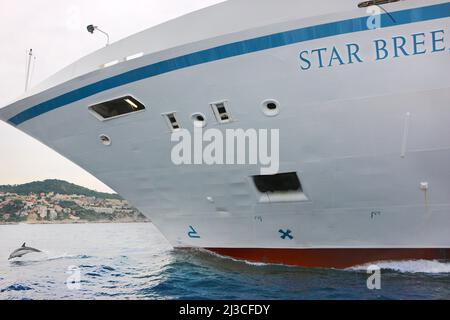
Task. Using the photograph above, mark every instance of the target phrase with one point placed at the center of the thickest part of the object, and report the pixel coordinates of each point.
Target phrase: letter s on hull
(305, 60)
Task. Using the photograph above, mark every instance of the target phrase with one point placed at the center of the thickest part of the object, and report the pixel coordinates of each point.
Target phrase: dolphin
(23, 250)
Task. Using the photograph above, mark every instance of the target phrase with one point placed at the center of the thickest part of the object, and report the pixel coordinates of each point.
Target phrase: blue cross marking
(193, 233)
(286, 234)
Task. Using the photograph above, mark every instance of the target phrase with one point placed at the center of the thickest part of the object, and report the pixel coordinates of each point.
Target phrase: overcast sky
(56, 30)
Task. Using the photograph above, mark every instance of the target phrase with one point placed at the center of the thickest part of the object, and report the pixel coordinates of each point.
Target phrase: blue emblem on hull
(193, 233)
(286, 234)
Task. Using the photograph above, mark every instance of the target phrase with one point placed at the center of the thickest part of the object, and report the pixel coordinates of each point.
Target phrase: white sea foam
(405, 266)
(409, 266)
(59, 256)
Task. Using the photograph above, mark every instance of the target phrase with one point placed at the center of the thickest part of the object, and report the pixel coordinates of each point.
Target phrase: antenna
(388, 13)
(29, 61)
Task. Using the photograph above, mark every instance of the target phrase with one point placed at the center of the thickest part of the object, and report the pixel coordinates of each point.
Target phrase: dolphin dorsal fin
(23, 245)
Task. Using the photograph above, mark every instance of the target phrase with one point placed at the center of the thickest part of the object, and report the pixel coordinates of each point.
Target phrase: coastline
(61, 202)
(74, 222)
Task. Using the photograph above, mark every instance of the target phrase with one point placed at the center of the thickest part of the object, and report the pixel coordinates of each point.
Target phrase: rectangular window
(221, 112)
(283, 187)
(134, 56)
(172, 121)
(117, 107)
(110, 64)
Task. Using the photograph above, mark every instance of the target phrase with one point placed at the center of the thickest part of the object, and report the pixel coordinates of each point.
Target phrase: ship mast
(29, 62)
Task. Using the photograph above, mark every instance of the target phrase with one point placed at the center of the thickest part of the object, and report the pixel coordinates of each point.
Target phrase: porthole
(105, 140)
(271, 107)
(199, 120)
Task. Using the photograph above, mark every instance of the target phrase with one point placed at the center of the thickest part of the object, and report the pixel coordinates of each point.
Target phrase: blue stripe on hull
(233, 50)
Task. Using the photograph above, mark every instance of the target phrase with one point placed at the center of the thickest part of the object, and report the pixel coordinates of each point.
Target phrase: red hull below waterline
(330, 258)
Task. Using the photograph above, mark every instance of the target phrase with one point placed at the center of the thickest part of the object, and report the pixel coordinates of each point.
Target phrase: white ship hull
(368, 137)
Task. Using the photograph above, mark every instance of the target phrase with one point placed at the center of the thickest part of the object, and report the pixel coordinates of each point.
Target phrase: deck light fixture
(91, 28)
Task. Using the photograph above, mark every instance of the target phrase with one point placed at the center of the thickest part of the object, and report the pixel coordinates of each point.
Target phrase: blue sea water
(133, 261)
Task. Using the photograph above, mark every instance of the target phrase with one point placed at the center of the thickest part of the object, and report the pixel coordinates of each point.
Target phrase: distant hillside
(56, 186)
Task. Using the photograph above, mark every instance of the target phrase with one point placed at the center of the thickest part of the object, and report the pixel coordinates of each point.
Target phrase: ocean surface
(133, 261)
